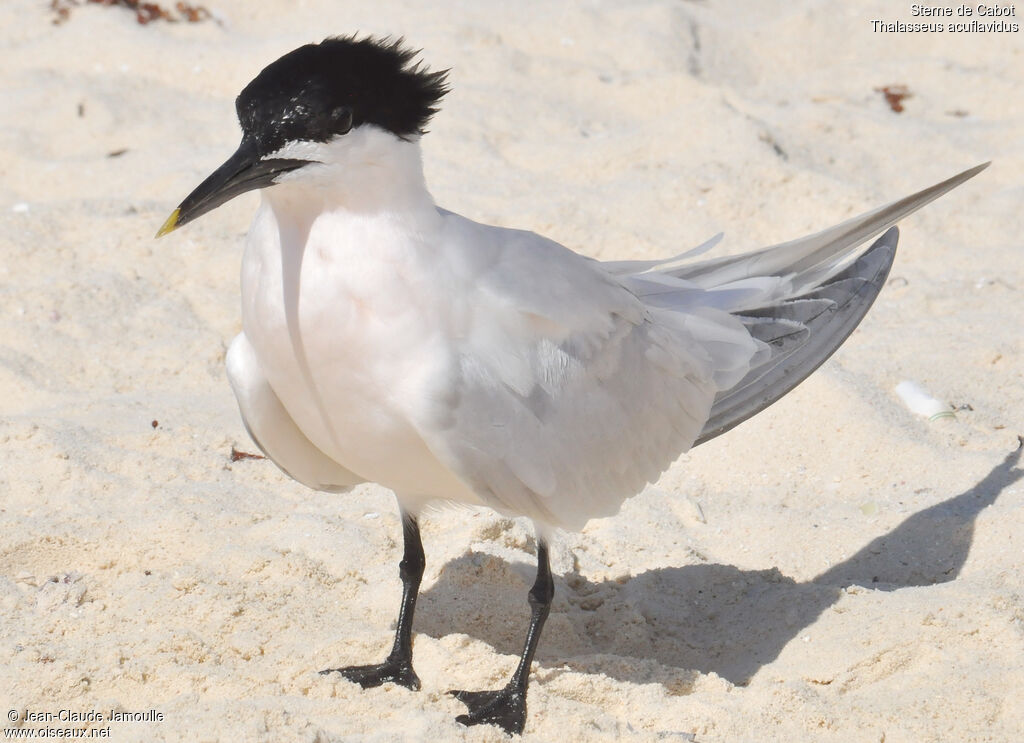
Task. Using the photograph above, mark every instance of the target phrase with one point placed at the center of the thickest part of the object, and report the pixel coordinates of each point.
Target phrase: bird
(388, 340)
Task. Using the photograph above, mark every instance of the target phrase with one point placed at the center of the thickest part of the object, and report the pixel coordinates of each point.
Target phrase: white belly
(351, 347)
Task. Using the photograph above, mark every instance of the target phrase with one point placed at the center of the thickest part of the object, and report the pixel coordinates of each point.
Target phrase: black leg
(397, 668)
(506, 707)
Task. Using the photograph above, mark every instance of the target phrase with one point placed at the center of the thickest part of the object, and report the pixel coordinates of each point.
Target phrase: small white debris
(20, 208)
(920, 402)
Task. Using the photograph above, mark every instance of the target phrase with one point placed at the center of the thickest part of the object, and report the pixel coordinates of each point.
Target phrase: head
(304, 105)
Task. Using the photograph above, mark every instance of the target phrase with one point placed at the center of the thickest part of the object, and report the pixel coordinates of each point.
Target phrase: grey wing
(802, 332)
(578, 381)
(566, 393)
(603, 416)
(809, 260)
(820, 300)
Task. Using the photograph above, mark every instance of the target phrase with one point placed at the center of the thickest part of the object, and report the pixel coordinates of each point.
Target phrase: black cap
(322, 90)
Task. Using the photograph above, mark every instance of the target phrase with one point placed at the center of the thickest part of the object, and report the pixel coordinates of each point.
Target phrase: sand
(837, 569)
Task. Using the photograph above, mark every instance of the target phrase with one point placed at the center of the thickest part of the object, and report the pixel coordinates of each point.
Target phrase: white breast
(335, 308)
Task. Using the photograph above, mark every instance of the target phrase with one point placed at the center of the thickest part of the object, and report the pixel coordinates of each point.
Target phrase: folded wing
(576, 382)
(567, 393)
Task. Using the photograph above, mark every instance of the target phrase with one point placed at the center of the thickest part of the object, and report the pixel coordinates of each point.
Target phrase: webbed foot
(393, 670)
(505, 708)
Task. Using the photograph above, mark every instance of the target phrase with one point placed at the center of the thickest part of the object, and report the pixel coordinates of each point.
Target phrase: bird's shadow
(698, 618)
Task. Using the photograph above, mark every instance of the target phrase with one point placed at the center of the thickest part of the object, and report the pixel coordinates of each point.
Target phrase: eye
(341, 119)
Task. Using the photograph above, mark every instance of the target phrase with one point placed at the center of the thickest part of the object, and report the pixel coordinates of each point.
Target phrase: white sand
(837, 569)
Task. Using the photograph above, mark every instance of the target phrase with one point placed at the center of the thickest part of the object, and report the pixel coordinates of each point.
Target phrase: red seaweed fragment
(144, 12)
(894, 95)
(238, 455)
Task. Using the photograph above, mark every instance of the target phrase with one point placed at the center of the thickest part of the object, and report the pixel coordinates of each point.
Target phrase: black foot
(505, 708)
(394, 671)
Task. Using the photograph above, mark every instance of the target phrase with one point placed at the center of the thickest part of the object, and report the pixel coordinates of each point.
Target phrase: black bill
(243, 171)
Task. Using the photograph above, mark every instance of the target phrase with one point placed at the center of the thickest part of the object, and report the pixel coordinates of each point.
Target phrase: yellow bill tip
(170, 225)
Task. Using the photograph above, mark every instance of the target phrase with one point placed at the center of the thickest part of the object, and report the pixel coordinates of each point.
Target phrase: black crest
(319, 91)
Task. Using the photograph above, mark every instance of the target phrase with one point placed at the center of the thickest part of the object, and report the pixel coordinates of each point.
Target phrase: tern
(388, 340)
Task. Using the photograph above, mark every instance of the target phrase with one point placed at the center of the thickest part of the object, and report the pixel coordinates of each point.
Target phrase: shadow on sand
(700, 618)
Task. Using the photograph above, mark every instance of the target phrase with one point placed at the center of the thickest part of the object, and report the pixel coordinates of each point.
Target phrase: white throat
(366, 171)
